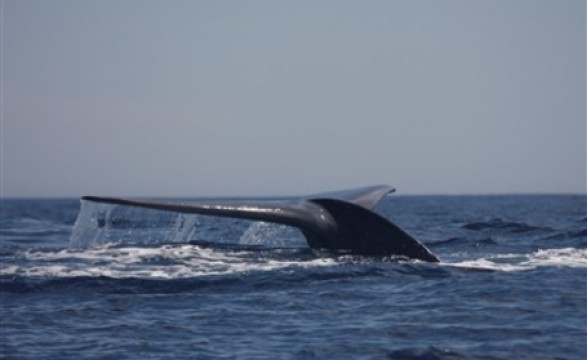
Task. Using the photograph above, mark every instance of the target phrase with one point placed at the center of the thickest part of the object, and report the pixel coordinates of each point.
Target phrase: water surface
(133, 284)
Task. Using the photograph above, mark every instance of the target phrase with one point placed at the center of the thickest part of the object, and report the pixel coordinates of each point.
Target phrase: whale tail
(341, 220)
(367, 233)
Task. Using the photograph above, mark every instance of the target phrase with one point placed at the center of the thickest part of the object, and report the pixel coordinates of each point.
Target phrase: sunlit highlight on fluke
(341, 221)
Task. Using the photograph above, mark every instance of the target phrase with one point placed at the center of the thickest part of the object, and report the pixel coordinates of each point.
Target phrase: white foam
(166, 262)
(567, 257)
(185, 261)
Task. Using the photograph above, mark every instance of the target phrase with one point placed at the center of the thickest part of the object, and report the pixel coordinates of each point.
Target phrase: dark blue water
(512, 284)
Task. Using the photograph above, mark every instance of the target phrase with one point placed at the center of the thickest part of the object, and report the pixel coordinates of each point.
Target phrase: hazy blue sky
(195, 98)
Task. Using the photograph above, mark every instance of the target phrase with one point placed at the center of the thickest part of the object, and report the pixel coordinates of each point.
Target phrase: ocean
(123, 283)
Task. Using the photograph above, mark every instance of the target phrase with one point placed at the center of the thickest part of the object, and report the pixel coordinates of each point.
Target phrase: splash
(272, 235)
(100, 225)
(567, 257)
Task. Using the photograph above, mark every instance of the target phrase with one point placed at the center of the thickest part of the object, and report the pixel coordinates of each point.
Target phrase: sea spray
(99, 225)
(272, 235)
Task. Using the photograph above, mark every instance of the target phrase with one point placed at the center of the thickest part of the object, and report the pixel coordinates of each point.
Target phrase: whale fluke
(342, 220)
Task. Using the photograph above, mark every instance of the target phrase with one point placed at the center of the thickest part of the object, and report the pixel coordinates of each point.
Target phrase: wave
(434, 353)
(32, 228)
(175, 269)
(566, 257)
(500, 224)
(574, 234)
(165, 262)
(173, 261)
(461, 241)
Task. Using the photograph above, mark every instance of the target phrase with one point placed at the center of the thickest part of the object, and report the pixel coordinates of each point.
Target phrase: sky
(260, 98)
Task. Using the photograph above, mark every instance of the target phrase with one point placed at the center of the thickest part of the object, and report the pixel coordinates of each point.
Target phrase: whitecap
(165, 262)
(565, 257)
